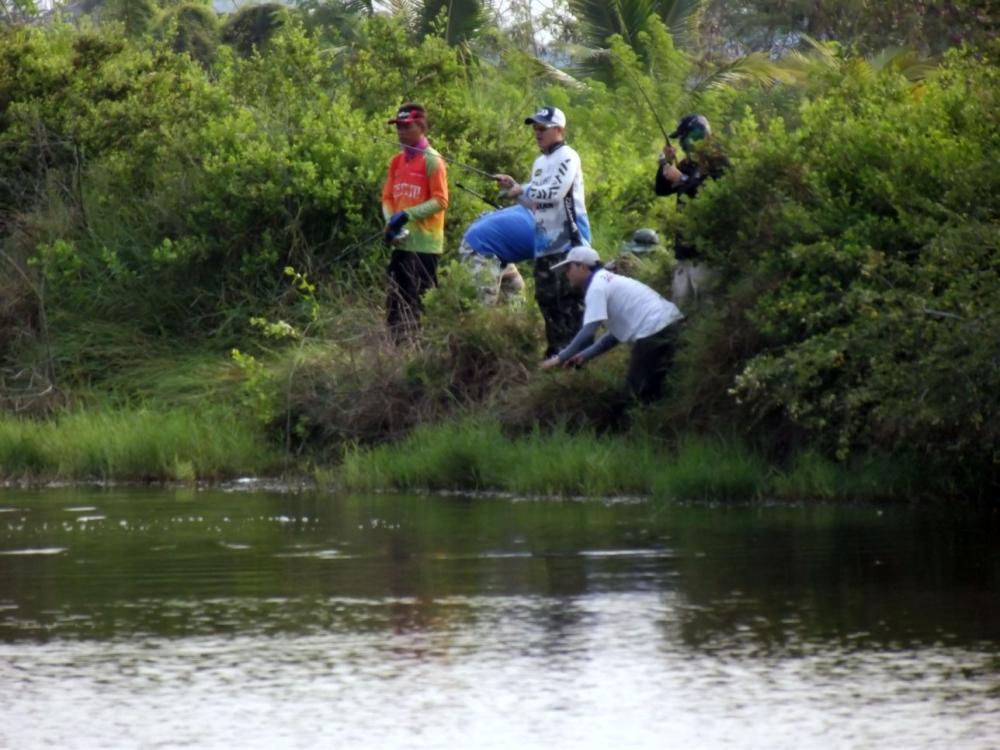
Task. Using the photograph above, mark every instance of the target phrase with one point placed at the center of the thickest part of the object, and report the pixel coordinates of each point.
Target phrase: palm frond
(907, 62)
(681, 18)
(755, 68)
(543, 70)
(602, 19)
(360, 6)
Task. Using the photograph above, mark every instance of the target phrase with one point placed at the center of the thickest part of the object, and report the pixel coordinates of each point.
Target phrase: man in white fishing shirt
(555, 196)
(631, 312)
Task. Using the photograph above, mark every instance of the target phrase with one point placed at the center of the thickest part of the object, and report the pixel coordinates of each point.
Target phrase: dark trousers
(651, 358)
(410, 275)
(561, 305)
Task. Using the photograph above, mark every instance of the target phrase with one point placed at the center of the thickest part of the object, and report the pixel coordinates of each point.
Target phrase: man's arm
(558, 182)
(510, 186)
(584, 337)
(387, 205)
(684, 181)
(438, 178)
(603, 344)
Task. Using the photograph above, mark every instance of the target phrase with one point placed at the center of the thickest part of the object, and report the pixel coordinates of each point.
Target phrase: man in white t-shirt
(631, 312)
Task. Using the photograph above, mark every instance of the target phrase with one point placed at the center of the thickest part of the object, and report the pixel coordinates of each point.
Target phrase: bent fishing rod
(481, 197)
(642, 91)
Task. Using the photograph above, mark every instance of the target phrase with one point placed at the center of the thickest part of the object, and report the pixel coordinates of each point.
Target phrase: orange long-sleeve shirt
(419, 186)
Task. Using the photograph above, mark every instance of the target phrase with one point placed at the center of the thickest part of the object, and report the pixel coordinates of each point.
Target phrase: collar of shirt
(554, 147)
(416, 150)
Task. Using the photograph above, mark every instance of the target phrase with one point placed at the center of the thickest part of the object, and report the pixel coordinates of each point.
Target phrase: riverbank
(160, 321)
(215, 447)
(135, 445)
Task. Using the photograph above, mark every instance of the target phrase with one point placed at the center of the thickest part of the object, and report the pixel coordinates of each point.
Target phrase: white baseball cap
(550, 117)
(580, 254)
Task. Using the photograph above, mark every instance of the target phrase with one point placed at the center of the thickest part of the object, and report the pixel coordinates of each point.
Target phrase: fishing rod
(475, 170)
(642, 91)
(481, 197)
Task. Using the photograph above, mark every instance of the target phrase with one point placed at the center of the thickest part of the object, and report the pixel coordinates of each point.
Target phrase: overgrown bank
(476, 455)
(151, 205)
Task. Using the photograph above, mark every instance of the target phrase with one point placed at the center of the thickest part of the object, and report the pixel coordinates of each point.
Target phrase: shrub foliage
(154, 186)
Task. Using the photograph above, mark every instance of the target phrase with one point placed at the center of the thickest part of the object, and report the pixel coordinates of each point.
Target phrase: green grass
(138, 444)
(473, 454)
(814, 475)
(185, 444)
(711, 468)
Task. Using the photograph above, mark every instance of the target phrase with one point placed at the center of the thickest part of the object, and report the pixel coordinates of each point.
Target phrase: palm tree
(462, 19)
(820, 57)
(458, 21)
(601, 19)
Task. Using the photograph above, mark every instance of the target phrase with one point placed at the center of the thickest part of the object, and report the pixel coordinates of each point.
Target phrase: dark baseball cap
(691, 123)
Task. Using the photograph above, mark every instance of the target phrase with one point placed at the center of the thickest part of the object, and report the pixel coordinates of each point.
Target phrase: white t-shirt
(629, 309)
(555, 197)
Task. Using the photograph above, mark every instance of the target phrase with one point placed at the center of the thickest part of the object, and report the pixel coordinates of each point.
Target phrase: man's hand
(509, 186)
(551, 362)
(576, 360)
(395, 223)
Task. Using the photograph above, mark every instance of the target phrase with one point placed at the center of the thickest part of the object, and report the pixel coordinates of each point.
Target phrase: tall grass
(814, 475)
(473, 454)
(181, 444)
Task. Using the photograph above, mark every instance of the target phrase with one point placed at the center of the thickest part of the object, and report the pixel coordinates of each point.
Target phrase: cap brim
(675, 134)
(561, 263)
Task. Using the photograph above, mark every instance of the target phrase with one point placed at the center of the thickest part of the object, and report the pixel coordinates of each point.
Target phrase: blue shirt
(508, 234)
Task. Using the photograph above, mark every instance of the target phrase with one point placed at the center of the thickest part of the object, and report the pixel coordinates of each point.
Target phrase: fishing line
(475, 170)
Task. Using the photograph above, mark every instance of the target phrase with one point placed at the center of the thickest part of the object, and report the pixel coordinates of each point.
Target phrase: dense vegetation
(188, 204)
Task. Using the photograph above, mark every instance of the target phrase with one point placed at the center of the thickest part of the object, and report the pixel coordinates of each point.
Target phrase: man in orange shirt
(415, 195)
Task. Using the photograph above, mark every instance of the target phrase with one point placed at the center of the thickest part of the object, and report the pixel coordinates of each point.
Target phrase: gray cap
(643, 241)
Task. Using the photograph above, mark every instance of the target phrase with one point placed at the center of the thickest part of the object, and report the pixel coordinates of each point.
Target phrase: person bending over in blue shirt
(491, 247)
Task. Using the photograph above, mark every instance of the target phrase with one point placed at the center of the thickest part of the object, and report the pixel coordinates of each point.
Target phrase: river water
(213, 619)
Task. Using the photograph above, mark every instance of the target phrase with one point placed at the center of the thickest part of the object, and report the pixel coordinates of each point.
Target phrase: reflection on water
(216, 620)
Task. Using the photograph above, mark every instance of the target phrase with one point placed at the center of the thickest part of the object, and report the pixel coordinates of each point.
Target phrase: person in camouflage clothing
(703, 160)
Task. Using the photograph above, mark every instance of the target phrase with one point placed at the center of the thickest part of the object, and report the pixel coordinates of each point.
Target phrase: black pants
(651, 358)
(410, 275)
(560, 304)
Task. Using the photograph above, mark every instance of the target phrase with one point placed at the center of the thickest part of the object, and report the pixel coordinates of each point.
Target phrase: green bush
(150, 201)
(859, 258)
